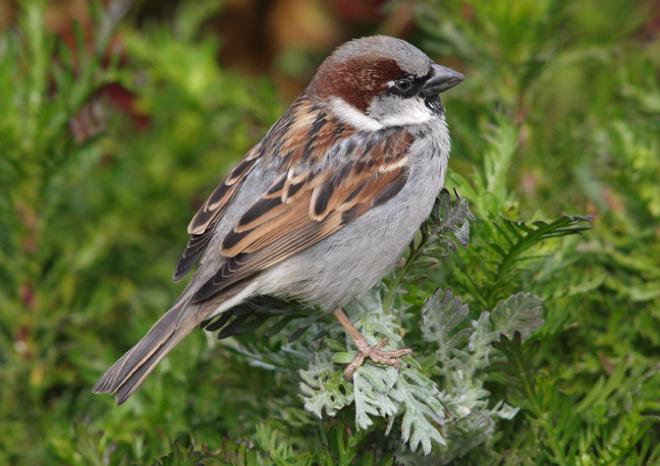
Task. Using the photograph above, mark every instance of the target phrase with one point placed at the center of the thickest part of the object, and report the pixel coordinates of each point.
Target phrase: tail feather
(128, 373)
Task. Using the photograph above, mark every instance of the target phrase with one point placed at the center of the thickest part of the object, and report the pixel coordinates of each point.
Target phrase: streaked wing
(303, 207)
(302, 135)
(203, 224)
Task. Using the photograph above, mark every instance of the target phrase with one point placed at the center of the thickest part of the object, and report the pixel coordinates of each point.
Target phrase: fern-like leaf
(516, 238)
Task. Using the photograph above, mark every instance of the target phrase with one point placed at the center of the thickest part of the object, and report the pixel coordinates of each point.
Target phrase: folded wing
(303, 206)
(302, 135)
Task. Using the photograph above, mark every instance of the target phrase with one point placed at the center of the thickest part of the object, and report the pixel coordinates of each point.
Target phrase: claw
(375, 352)
(377, 355)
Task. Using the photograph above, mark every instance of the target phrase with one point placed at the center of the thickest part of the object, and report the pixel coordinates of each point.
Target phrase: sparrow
(321, 208)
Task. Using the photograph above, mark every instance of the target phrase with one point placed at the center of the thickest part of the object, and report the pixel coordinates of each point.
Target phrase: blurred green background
(119, 117)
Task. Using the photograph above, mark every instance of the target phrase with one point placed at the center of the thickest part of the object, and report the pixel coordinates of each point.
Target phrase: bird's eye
(403, 85)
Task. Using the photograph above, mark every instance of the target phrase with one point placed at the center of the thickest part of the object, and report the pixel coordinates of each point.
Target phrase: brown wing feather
(202, 225)
(301, 136)
(310, 206)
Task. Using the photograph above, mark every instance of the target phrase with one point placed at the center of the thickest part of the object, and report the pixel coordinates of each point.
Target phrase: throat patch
(434, 103)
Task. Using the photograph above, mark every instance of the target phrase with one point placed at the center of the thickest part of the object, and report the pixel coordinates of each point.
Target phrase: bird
(321, 208)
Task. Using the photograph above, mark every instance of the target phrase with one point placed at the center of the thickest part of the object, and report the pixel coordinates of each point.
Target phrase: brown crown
(356, 81)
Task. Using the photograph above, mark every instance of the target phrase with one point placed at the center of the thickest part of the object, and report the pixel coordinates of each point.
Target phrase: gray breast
(352, 260)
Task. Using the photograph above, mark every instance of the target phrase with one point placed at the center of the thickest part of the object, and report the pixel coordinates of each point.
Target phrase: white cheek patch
(395, 111)
(352, 116)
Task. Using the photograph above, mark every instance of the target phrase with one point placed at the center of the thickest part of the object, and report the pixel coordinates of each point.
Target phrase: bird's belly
(352, 260)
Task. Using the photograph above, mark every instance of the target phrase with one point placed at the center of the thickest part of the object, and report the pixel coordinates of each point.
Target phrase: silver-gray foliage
(446, 416)
(323, 387)
(453, 217)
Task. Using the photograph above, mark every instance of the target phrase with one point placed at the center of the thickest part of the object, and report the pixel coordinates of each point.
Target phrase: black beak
(442, 78)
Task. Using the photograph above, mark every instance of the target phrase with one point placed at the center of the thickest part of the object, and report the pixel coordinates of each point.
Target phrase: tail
(128, 373)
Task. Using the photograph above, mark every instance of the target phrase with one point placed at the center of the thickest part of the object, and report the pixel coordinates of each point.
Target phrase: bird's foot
(376, 354)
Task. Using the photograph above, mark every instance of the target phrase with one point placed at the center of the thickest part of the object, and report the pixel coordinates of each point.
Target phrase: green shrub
(533, 344)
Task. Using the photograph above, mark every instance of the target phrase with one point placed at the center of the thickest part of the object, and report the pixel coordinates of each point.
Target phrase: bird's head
(381, 81)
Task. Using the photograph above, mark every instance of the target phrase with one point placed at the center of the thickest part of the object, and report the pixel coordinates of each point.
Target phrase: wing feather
(301, 135)
(300, 209)
(203, 224)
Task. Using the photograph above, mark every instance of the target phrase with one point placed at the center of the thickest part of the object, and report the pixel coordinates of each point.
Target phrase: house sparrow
(322, 207)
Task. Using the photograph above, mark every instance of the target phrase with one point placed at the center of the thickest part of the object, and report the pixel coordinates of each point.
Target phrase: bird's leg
(375, 352)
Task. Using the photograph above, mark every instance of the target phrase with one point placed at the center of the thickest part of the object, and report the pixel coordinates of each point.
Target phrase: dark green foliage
(557, 119)
(509, 241)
